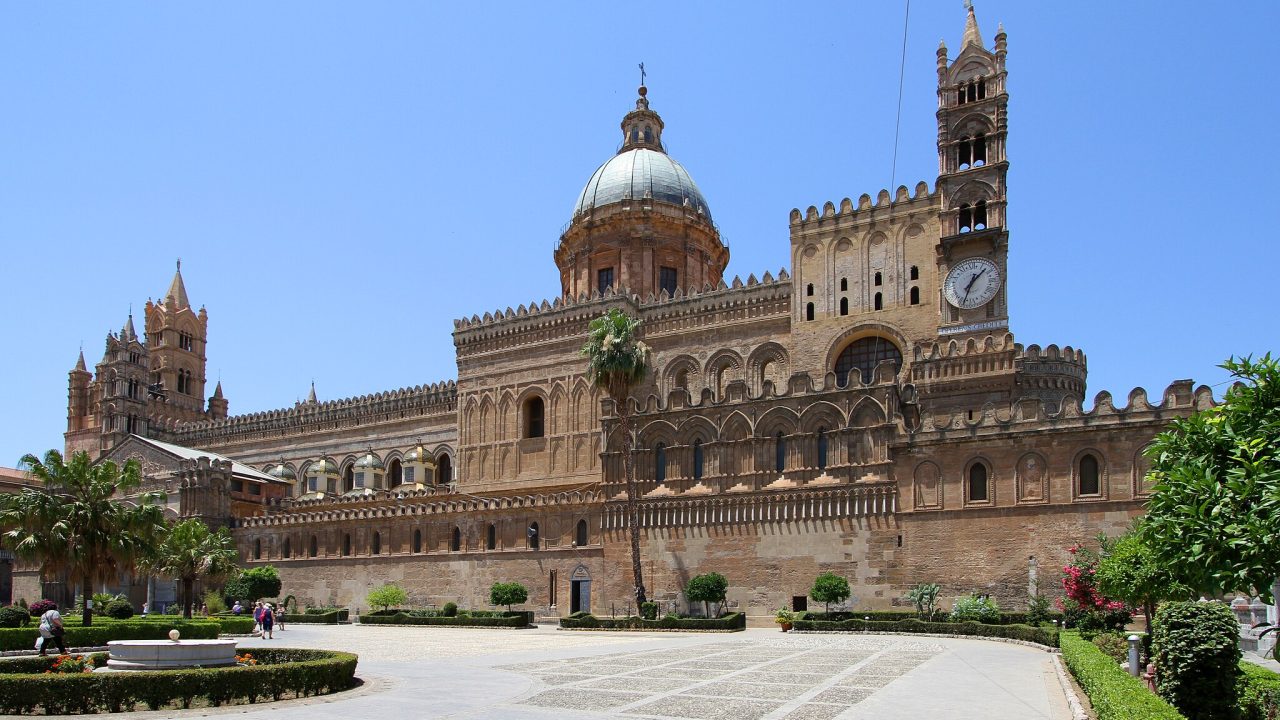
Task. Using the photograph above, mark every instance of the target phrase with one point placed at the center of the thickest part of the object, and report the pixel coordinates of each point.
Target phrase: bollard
(1134, 670)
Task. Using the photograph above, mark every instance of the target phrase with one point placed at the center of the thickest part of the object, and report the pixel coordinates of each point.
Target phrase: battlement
(428, 501)
(1179, 399)
(865, 210)
(434, 399)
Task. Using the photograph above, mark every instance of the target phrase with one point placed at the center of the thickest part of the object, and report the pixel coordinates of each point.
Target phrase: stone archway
(580, 590)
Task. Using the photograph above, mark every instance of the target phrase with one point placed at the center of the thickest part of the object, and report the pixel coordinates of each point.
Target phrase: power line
(897, 123)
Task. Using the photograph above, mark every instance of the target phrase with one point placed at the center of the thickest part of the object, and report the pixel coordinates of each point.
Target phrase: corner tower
(640, 222)
(972, 166)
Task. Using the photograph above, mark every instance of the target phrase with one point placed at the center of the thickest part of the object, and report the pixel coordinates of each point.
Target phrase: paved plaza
(421, 672)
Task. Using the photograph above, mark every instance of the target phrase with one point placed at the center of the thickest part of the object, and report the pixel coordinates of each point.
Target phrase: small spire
(80, 366)
(217, 391)
(127, 333)
(311, 396)
(177, 290)
(971, 34)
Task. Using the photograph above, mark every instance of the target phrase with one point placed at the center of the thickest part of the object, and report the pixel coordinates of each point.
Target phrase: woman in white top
(51, 629)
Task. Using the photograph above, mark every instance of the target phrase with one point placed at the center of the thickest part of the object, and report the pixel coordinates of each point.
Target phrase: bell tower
(176, 336)
(973, 168)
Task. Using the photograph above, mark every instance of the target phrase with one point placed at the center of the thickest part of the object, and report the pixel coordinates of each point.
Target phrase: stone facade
(867, 412)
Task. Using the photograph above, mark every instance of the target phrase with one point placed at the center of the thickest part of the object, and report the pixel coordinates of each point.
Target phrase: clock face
(972, 283)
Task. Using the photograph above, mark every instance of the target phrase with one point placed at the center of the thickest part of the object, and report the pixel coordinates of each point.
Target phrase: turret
(218, 404)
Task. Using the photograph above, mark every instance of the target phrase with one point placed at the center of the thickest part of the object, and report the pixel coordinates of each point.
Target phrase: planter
(785, 626)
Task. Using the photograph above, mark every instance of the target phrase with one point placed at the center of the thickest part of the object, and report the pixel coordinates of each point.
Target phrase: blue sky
(342, 180)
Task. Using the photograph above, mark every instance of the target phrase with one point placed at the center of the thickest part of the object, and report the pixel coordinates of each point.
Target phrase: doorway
(580, 590)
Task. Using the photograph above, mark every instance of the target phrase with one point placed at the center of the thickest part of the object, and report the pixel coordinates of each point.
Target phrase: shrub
(707, 588)
(173, 609)
(449, 609)
(1037, 609)
(1114, 693)
(1197, 658)
(516, 619)
(975, 609)
(120, 609)
(729, 623)
(1113, 646)
(14, 617)
(100, 633)
(387, 596)
(1259, 691)
(512, 593)
(41, 607)
(253, 584)
(214, 603)
(329, 616)
(1026, 633)
(649, 610)
(829, 588)
(24, 686)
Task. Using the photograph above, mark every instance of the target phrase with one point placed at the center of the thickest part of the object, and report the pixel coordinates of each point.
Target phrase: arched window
(1090, 478)
(534, 540)
(844, 306)
(808, 311)
(580, 535)
(660, 462)
(314, 548)
(879, 302)
(346, 545)
(844, 284)
(879, 279)
(965, 218)
(376, 546)
(648, 134)
(534, 413)
(978, 482)
(444, 470)
(455, 543)
(285, 549)
(864, 355)
(395, 473)
(491, 541)
(822, 448)
(915, 272)
(779, 452)
(349, 479)
(915, 296)
(808, 290)
(980, 215)
(964, 154)
(417, 541)
(257, 549)
(697, 459)
(979, 150)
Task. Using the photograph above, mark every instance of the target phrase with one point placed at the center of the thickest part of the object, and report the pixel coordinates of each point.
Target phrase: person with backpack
(51, 629)
(268, 621)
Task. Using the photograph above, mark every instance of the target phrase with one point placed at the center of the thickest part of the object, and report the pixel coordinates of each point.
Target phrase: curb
(1073, 700)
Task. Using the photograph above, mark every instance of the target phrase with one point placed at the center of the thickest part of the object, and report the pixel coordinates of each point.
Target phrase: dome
(324, 466)
(419, 454)
(369, 461)
(282, 472)
(640, 173)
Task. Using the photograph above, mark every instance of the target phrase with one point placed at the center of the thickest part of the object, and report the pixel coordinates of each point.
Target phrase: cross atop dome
(642, 127)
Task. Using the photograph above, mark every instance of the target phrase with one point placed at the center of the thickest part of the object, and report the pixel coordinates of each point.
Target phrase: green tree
(253, 584)
(512, 593)
(1129, 571)
(616, 362)
(830, 588)
(707, 588)
(1214, 513)
(924, 596)
(76, 522)
(387, 597)
(190, 552)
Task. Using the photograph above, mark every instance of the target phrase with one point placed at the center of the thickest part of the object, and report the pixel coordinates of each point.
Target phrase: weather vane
(642, 73)
(968, 4)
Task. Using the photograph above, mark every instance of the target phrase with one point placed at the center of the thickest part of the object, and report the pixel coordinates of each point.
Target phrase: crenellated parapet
(1029, 413)
(435, 399)
(865, 212)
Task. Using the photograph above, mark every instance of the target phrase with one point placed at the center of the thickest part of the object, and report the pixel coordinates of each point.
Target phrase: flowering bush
(71, 664)
(40, 607)
(246, 659)
(1085, 607)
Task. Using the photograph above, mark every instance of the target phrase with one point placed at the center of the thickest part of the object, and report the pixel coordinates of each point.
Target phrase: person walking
(268, 621)
(51, 629)
(257, 618)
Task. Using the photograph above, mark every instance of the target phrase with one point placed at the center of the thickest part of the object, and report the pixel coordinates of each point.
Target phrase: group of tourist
(265, 618)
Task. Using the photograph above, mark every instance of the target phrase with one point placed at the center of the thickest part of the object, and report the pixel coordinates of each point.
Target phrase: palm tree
(76, 524)
(190, 551)
(616, 362)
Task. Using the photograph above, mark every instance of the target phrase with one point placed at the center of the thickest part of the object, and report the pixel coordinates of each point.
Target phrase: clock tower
(972, 131)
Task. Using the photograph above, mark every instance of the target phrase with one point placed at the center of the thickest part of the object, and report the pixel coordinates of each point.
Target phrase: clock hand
(973, 280)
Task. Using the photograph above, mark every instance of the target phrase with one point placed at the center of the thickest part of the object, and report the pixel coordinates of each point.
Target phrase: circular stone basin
(168, 654)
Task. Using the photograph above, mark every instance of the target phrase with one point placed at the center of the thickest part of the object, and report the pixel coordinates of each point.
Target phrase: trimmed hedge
(332, 617)
(1040, 635)
(1006, 618)
(1196, 647)
(1114, 693)
(732, 622)
(1259, 692)
(101, 633)
(24, 686)
(516, 619)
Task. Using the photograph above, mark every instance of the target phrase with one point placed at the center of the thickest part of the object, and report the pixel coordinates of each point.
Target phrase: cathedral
(866, 412)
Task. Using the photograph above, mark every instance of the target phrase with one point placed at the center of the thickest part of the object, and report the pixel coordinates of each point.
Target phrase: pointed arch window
(879, 301)
(534, 417)
(697, 459)
(964, 218)
(455, 542)
(257, 549)
(417, 541)
(808, 311)
(535, 541)
(915, 272)
(915, 296)
(1090, 476)
(491, 540)
(864, 356)
(580, 534)
(822, 448)
(376, 545)
(285, 550)
(980, 215)
(660, 462)
(844, 306)
(779, 452)
(844, 284)
(346, 545)
(879, 278)
(313, 548)
(978, 481)
(444, 469)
